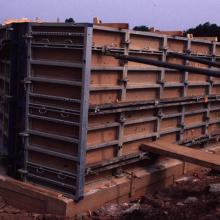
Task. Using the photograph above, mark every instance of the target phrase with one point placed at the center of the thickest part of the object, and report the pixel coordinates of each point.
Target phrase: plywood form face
(62, 55)
(139, 42)
(110, 39)
(50, 144)
(57, 72)
(107, 78)
(176, 45)
(201, 48)
(142, 77)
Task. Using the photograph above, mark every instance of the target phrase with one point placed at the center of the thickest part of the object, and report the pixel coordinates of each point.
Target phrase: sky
(161, 14)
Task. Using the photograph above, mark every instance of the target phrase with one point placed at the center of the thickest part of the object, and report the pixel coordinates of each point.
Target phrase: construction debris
(182, 201)
(214, 188)
(190, 200)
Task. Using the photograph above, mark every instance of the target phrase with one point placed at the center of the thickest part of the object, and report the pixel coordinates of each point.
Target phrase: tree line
(202, 30)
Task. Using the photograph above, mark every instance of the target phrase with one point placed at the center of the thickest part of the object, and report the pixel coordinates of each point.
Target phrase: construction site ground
(169, 189)
(195, 196)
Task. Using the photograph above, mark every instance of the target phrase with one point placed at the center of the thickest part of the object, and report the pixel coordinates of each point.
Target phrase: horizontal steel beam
(115, 163)
(48, 97)
(62, 34)
(140, 105)
(56, 63)
(42, 108)
(53, 136)
(55, 120)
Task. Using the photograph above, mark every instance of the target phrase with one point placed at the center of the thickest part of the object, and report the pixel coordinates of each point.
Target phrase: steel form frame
(120, 160)
(79, 176)
(85, 110)
(157, 105)
(163, 54)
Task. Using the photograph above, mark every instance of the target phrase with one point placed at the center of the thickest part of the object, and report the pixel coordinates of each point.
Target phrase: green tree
(141, 28)
(69, 20)
(205, 30)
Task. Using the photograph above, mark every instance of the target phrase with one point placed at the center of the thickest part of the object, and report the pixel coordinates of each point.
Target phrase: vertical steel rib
(86, 72)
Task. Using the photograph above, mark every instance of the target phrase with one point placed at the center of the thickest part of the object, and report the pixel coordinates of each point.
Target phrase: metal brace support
(133, 176)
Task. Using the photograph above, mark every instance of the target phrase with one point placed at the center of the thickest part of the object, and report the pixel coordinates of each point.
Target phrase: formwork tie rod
(158, 63)
(194, 59)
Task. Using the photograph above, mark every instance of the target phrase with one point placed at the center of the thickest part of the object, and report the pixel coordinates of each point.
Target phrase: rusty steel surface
(87, 113)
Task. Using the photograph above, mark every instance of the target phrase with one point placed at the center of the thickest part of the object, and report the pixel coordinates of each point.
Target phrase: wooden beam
(195, 156)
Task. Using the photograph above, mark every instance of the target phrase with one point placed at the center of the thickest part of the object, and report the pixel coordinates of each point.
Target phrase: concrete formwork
(86, 114)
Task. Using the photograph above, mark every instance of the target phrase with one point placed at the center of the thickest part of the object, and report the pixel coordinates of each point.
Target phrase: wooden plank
(195, 156)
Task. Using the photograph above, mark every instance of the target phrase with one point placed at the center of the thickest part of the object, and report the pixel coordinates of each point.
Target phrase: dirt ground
(195, 197)
(7, 212)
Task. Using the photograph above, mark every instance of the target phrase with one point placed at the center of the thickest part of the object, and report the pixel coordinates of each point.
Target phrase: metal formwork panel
(136, 102)
(150, 121)
(58, 72)
(82, 112)
(114, 81)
